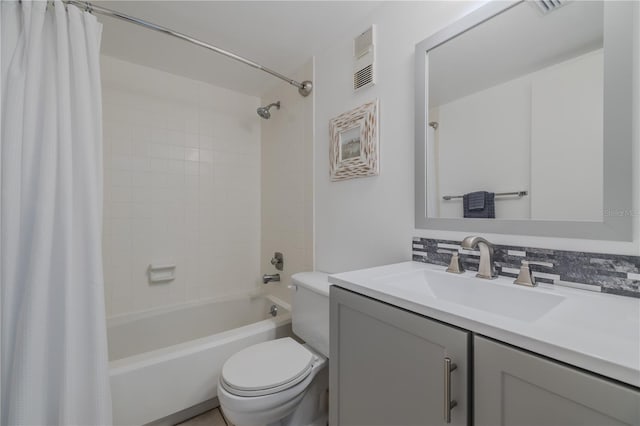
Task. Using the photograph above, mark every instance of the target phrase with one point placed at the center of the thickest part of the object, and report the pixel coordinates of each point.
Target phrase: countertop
(593, 331)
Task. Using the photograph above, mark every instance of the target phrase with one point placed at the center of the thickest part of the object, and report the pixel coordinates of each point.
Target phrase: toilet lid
(267, 365)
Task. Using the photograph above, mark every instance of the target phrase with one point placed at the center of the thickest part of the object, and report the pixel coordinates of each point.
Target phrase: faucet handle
(278, 261)
(455, 266)
(525, 277)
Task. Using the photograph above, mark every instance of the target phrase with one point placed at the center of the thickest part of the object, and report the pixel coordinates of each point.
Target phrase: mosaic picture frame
(354, 144)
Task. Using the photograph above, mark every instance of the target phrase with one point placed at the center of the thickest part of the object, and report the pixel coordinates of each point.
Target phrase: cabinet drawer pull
(448, 403)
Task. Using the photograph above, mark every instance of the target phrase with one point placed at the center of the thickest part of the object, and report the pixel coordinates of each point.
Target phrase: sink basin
(508, 300)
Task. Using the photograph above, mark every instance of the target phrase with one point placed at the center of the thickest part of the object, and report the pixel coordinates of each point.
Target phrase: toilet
(282, 382)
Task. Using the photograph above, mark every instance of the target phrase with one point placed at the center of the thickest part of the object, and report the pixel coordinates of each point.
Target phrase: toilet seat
(267, 368)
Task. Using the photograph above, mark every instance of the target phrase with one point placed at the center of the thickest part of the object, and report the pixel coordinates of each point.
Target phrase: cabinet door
(387, 365)
(513, 387)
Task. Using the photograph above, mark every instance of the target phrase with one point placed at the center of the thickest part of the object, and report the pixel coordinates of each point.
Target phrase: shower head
(264, 111)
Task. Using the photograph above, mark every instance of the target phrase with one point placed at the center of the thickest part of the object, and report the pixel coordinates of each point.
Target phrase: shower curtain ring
(88, 7)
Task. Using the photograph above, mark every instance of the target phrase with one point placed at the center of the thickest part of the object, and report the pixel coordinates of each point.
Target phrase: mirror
(524, 121)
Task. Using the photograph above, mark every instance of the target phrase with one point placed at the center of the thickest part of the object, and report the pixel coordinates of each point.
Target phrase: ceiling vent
(546, 6)
(364, 59)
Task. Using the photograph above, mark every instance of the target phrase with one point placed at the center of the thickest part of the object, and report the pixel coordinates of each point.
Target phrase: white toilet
(282, 382)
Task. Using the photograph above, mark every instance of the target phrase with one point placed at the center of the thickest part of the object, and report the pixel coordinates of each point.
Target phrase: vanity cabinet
(516, 388)
(388, 368)
(388, 365)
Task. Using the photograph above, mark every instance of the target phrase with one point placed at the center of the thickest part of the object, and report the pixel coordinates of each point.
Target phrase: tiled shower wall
(287, 182)
(182, 185)
(606, 273)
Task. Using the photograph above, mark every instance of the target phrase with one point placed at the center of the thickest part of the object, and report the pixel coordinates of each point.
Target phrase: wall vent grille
(363, 77)
(363, 43)
(364, 54)
(546, 6)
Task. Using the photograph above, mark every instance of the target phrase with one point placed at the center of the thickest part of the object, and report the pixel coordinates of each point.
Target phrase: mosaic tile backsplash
(606, 273)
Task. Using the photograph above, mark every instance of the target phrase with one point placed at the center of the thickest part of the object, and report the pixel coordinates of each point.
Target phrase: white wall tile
(191, 139)
(287, 181)
(206, 156)
(192, 154)
(206, 142)
(161, 203)
(192, 168)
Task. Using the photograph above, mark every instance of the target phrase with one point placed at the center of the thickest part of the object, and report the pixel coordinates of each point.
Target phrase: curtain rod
(304, 88)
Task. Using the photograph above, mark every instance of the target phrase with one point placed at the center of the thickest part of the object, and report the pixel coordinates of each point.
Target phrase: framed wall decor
(354, 143)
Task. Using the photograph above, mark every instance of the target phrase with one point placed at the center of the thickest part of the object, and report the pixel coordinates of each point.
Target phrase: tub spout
(266, 278)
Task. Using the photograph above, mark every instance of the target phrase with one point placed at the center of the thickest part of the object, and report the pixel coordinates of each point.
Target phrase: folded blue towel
(476, 200)
(479, 205)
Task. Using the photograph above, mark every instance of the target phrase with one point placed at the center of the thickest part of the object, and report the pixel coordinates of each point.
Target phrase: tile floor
(210, 418)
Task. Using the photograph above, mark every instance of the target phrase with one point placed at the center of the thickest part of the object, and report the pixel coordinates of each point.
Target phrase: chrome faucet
(486, 268)
(267, 278)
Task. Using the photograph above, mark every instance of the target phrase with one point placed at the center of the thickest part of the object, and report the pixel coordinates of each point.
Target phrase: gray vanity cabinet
(516, 388)
(388, 365)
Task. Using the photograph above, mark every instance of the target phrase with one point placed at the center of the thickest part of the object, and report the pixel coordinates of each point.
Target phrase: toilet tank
(310, 310)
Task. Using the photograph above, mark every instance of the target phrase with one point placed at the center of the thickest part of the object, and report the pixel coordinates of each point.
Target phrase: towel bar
(519, 194)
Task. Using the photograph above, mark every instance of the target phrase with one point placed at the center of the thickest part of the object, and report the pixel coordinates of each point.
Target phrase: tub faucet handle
(278, 261)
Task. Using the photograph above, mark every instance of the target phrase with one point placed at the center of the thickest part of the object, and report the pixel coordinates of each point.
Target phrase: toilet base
(314, 407)
(311, 407)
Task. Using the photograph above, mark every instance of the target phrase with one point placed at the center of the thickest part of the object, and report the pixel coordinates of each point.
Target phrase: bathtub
(164, 361)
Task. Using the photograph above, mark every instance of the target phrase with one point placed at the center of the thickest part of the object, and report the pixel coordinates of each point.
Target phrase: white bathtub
(165, 361)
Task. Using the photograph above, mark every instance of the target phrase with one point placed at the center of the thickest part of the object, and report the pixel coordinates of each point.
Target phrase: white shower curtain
(53, 342)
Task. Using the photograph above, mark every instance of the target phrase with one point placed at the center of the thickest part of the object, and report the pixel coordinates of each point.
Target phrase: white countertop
(594, 331)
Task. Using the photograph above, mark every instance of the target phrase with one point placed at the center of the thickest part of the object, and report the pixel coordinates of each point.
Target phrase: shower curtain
(53, 335)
